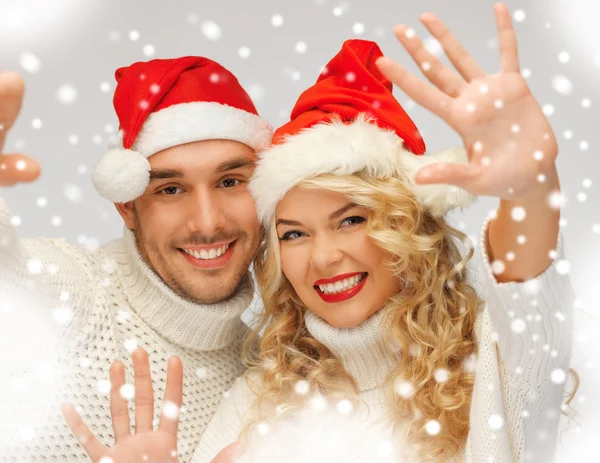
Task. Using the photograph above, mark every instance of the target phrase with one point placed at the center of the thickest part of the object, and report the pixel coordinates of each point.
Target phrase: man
(175, 283)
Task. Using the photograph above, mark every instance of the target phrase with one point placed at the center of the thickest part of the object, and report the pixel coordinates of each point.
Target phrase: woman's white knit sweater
(107, 302)
(524, 347)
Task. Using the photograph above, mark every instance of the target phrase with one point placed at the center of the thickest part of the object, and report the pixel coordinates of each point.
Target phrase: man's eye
(170, 190)
(230, 182)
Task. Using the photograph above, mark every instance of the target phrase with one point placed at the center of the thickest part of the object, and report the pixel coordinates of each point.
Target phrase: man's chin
(222, 284)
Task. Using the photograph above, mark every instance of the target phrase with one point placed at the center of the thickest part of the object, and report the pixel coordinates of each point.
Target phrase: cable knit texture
(524, 338)
(113, 302)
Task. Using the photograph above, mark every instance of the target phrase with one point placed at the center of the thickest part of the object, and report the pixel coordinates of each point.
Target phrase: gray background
(68, 50)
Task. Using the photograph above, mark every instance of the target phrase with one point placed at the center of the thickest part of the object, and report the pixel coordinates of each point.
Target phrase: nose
(206, 214)
(325, 252)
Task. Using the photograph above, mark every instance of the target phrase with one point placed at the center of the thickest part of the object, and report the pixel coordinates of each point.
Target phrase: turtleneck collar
(189, 325)
(361, 349)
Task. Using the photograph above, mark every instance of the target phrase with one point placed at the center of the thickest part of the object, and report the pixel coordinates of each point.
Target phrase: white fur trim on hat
(121, 175)
(189, 122)
(345, 148)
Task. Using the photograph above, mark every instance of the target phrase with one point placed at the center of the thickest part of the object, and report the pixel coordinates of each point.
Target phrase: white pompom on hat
(168, 102)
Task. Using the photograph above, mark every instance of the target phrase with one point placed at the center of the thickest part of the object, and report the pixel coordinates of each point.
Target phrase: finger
(439, 75)
(508, 39)
(17, 168)
(119, 410)
(84, 436)
(230, 454)
(12, 89)
(169, 417)
(451, 173)
(464, 63)
(424, 94)
(144, 395)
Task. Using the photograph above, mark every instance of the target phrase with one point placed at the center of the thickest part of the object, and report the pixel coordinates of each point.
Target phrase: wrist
(538, 193)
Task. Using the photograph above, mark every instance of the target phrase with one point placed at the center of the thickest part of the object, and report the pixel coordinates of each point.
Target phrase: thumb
(18, 168)
(231, 453)
(451, 173)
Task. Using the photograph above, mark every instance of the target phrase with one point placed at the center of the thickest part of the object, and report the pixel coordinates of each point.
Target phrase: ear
(127, 212)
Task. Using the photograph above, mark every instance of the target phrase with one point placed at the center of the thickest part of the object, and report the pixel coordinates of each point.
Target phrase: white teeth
(208, 254)
(343, 285)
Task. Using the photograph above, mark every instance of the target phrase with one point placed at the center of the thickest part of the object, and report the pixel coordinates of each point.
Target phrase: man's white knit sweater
(108, 301)
(524, 347)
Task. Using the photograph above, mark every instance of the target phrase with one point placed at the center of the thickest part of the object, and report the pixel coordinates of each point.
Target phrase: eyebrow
(233, 164)
(332, 216)
(165, 173)
(223, 167)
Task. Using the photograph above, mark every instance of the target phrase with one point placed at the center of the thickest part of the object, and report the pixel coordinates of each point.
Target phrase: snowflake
(562, 85)
(548, 110)
(441, 375)
(564, 57)
(519, 15)
(300, 47)
(127, 391)
(67, 94)
(344, 407)
(73, 193)
(170, 410)
(148, 50)
(301, 387)
(211, 30)
(30, 63)
(433, 427)
(358, 28)
(404, 389)
(558, 376)
(495, 422)
(244, 52)
(277, 20)
(518, 325)
(518, 214)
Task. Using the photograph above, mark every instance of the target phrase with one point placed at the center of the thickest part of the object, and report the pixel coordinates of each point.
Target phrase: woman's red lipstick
(343, 295)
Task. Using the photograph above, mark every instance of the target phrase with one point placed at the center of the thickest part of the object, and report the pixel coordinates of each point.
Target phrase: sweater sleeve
(227, 424)
(43, 275)
(532, 320)
(532, 324)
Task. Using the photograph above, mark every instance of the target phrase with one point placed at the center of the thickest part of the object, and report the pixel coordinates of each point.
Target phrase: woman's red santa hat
(168, 102)
(348, 122)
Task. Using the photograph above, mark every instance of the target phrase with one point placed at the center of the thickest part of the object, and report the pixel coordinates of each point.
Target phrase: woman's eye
(354, 220)
(170, 190)
(291, 235)
(230, 182)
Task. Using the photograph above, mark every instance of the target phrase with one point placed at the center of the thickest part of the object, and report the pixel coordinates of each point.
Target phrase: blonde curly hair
(431, 321)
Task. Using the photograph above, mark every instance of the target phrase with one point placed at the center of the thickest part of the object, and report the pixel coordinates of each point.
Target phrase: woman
(368, 299)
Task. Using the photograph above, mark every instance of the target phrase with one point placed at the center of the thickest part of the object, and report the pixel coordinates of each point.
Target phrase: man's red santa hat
(168, 102)
(348, 122)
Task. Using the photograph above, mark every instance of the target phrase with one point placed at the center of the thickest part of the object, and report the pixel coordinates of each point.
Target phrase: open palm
(505, 132)
(146, 444)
